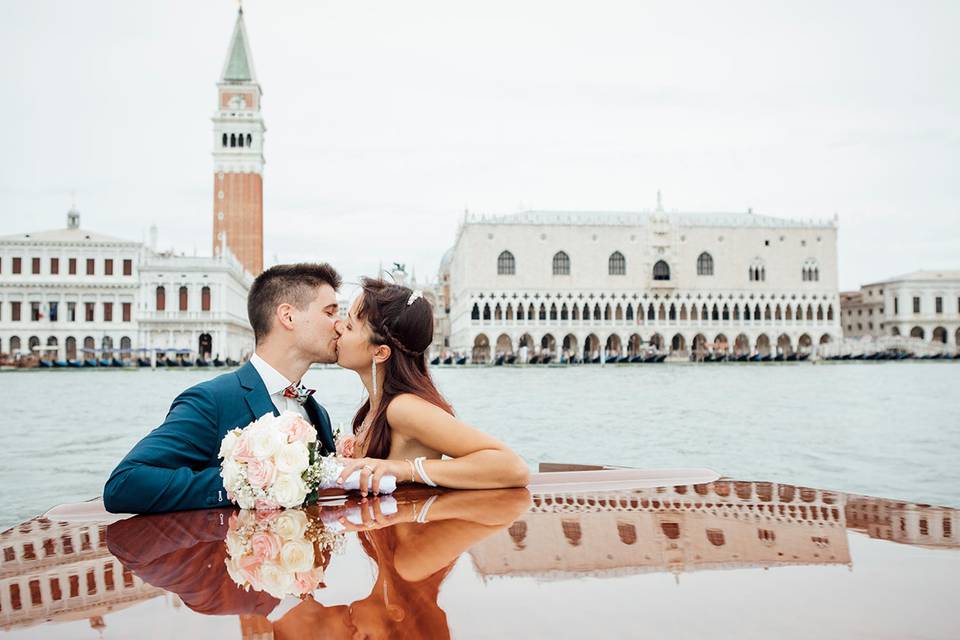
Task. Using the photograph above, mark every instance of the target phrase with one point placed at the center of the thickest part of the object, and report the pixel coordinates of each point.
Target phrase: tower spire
(238, 66)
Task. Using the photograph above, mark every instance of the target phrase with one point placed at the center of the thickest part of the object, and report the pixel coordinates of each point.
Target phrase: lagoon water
(883, 429)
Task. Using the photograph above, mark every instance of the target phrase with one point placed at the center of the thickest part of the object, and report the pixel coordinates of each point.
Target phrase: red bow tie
(298, 392)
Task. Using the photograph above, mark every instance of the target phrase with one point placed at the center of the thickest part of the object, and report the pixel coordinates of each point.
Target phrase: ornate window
(506, 265)
(758, 272)
(617, 264)
(661, 271)
(161, 299)
(810, 270)
(705, 264)
(561, 264)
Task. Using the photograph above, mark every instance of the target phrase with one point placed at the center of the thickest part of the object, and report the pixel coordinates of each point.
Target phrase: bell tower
(238, 130)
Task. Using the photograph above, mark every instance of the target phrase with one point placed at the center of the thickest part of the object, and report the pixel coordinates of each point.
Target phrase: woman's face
(354, 349)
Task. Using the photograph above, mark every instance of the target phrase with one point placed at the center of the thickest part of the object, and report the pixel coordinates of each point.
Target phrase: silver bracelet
(418, 463)
(422, 518)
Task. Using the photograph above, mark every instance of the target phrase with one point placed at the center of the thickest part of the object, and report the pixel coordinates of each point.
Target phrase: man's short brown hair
(294, 284)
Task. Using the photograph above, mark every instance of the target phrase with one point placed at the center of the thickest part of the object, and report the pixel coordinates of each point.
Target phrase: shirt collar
(273, 380)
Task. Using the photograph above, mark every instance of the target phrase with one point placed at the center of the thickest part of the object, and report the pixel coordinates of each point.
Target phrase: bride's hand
(372, 516)
(373, 469)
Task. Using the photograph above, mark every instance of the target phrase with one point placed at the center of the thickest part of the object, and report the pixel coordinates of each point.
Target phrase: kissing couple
(405, 428)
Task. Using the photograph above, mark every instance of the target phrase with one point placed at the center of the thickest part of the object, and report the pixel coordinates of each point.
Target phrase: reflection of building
(67, 290)
(579, 283)
(922, 304)
(915, 524)
(687, 528)
(54, 571)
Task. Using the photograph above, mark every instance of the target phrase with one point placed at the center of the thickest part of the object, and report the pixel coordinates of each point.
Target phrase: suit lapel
(320, 420)
(256, 395)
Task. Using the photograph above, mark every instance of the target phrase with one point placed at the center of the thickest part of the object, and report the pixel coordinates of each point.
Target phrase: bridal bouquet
(280, 552)
(275, 462)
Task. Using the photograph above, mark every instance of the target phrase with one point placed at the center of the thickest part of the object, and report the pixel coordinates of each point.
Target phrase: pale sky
(385, 120)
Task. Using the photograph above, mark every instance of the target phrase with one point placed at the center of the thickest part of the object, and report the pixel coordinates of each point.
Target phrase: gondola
(511, 359)
(623, 359)
(434, 362)
(612, 359)
(91, 362)
(636, 359)
(59, 364)
(803, 356)
(143, 362)
(200, 362)
(462, 360)
(45, 364)
(115, 362)
(217, 362)
(448, 360)
(186, 362)
(534, 360)
(106, 362)
(792, 357)
(74, 363)
(232, 363)
(546, 359)
(499, 361)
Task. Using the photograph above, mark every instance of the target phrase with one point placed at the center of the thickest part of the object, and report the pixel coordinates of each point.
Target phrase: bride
(405, 427)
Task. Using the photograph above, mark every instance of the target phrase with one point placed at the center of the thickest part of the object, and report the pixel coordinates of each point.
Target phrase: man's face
(315, 326)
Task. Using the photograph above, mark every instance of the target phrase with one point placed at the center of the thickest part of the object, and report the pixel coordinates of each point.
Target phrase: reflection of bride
(414, 550)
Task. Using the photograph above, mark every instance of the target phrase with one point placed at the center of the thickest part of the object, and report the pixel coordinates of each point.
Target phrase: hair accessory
(416, 295)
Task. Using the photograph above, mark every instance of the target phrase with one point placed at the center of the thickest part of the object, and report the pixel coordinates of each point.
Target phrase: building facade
(585, 284)
(72, 294)
(923, 304)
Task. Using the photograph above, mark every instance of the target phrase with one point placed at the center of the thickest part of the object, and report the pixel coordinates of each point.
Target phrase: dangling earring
(374, 377)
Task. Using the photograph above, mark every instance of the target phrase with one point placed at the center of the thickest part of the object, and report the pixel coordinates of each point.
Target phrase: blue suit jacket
(176, 466)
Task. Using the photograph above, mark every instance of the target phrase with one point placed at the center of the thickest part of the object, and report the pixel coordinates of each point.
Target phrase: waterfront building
(924, 305)
(585, 283)
(73, 294)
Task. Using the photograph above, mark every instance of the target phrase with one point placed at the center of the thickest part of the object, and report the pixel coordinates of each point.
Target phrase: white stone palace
(585, 284)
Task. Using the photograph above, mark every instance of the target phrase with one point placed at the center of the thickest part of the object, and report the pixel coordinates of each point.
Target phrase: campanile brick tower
(238, 156)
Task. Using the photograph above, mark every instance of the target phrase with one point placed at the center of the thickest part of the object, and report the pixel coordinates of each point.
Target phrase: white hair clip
(414, 297)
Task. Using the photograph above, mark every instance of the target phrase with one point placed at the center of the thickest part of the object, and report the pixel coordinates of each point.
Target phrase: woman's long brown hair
(408, 330)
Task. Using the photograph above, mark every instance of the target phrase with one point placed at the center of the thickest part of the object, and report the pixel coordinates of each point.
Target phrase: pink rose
(345, 446)
(307, 581)
(265, 545)
(301, 430)
(266, 505)
(250, 570)
(242, 451)
(266, 517)
(260, 473)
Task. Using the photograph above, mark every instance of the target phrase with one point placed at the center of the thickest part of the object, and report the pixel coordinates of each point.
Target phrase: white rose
(231, 473)
(265, 443)
(283, 421)
(233, 570)
(296, 555)
(291, 524)
(289, 490)
(245, 499)
(293, 458)
(228, 443)
(275, 580)
(235, 546)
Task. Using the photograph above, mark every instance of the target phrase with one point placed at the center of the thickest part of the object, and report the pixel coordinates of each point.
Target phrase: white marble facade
(66, 290)
(584, 283)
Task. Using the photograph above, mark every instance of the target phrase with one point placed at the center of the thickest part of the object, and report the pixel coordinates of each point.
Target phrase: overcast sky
(385, 120)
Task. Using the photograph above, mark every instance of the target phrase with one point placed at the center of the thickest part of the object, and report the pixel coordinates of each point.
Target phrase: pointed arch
(564, 312)
(809, 313)
(788, 315)
(475, 313)
(683, 312)
(617, 264)
(629, 312)
(497, 312)
(553, 311)
(829, 312)
(607, 312)
(618, 313)
(509, 311)
(725, 314)
(662, 312)
(486, 311)
(778, 314)
(672, 313)
(561, 264)
(543, 312)
(574, 312)
(715, 314)
(661, 270)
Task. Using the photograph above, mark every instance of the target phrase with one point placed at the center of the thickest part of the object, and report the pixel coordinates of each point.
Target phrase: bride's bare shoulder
(408, 408)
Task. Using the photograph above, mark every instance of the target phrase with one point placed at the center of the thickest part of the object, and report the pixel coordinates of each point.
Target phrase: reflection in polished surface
(93, 574)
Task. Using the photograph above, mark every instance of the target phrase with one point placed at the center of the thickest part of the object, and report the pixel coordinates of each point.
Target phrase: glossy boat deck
(604, 553)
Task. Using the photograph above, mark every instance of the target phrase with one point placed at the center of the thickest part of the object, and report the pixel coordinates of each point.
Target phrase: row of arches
(939, 334)
(70, 346)
(651, 312)
(589, 347)
(236, 140)
(617, 266)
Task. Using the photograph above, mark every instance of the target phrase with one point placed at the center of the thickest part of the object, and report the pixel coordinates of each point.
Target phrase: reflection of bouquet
(264, 465)
(280, 552)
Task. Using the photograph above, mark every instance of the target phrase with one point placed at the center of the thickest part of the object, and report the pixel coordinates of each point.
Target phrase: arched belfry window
(661, 270)
(233, 139)
(240, 141)
(506, 264)
(249, 140)
(617, 265)
(705, 264)
(224, 139)
(561, 264)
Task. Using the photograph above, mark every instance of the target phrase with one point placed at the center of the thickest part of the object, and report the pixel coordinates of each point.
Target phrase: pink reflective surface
(724, 558)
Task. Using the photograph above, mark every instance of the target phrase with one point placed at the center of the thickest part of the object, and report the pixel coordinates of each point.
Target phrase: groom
(293, 312)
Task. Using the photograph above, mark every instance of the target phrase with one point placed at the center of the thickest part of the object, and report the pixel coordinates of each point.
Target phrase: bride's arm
(477, 460)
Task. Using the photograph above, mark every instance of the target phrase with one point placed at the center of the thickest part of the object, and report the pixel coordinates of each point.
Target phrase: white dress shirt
(275, 383)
